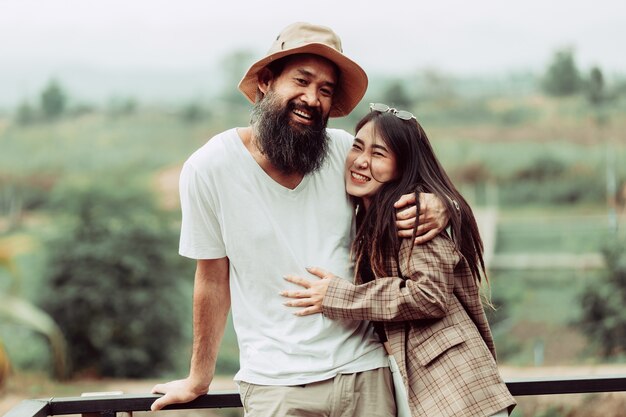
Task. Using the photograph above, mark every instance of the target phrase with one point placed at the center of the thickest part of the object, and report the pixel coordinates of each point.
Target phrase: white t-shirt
(231, 207)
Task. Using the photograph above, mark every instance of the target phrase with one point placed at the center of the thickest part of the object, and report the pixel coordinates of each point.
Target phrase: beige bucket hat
(305, 38)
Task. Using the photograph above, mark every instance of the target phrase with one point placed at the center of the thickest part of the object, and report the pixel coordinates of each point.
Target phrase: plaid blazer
(437, 329)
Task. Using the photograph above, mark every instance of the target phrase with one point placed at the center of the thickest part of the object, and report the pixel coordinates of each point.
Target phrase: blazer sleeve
(425, 294)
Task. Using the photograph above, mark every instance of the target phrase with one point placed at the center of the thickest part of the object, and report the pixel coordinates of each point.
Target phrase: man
(268, 200)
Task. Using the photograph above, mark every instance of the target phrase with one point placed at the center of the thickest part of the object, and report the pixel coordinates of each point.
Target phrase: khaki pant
(364, 394)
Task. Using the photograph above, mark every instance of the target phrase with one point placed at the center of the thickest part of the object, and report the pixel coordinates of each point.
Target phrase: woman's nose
(361, 161)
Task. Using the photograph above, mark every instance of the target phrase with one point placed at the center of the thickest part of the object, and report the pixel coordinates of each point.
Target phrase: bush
(604, 316)
(53, 100)
(26, 114)
(550, 181)
(114, 279)
(562, 77)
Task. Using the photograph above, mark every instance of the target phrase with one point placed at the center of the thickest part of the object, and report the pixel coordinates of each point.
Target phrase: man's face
(290, 120)
(310, 82)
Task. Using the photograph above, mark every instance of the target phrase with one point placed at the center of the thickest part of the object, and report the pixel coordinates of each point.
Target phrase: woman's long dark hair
(419, 171)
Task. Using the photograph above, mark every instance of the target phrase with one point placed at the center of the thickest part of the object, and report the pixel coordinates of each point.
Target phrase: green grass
(540, 309)
(564, 233)
(97, 143)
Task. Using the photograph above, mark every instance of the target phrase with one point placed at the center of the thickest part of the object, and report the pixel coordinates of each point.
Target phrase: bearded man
(267, 200)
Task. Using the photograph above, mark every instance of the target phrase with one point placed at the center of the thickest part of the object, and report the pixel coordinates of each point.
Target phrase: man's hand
(176, 392)
(312, 296)
(433, 217)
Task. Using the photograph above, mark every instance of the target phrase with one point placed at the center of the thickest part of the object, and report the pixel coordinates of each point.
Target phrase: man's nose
(311, 97)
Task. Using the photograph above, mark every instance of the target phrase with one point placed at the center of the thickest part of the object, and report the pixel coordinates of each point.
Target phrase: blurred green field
(541, 161)
(559, 230)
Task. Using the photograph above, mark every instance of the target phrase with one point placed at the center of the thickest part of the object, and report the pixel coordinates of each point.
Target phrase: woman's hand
(312, 296)
(433, 217)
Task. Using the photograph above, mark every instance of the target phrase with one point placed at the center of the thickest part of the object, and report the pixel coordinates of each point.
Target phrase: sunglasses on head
(400, 114)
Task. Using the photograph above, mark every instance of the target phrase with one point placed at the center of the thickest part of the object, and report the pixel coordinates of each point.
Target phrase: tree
(193, 112)
(396, 96)
(562, 77)
(25, 114)
(604, 316)
(594, 88)
(115, 279)
(53, 100)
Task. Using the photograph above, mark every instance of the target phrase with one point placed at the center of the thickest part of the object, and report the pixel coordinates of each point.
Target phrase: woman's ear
(264, 78)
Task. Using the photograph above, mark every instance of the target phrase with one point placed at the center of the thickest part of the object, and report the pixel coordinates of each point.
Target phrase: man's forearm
(211, 303)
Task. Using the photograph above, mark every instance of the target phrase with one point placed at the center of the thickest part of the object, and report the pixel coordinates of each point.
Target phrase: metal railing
(109, 405)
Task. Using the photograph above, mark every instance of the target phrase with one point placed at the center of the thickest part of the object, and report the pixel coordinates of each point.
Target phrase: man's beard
(291, 149)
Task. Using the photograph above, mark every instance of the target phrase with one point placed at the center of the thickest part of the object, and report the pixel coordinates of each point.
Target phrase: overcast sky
(456, 36)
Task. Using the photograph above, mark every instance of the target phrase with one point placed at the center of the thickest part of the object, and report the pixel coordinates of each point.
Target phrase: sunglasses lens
(379, 107)
(383, 108)
(404, 115)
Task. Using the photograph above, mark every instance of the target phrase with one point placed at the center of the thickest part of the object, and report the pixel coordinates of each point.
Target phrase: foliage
(396, 95)
(53, 100)
(20, 193)
(25, 114)
(121, 107)
(548, 180)
(21, 312)
(193, 112)
(143, 142)
(541, 169)
(566, 230)
(594, 87)
(500, 321)
(484, 139)
(562, 77)
(539, 305)
(17, 310)
(604, 317)
(114, 277)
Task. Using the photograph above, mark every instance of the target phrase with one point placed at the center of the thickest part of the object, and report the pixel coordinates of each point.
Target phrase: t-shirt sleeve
(200, 233)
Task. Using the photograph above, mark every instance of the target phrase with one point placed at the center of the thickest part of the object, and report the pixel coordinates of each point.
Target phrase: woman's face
(369, 164)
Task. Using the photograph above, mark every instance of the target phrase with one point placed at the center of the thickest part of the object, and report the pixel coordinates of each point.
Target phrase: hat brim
(352, 79)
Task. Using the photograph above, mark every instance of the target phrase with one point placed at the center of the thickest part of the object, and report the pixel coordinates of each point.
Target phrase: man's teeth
(302, 114)
(359, 177)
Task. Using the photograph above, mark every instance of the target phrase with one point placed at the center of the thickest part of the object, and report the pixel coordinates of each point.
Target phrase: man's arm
(433, 217)
(211, 303)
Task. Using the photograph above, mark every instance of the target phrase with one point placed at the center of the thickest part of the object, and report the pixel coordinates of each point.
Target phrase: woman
(424, 299)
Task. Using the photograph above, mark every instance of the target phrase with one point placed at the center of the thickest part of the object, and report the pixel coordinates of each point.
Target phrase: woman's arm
(425, 294)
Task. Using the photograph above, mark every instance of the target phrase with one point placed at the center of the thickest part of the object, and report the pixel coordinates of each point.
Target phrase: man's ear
(264, 78)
